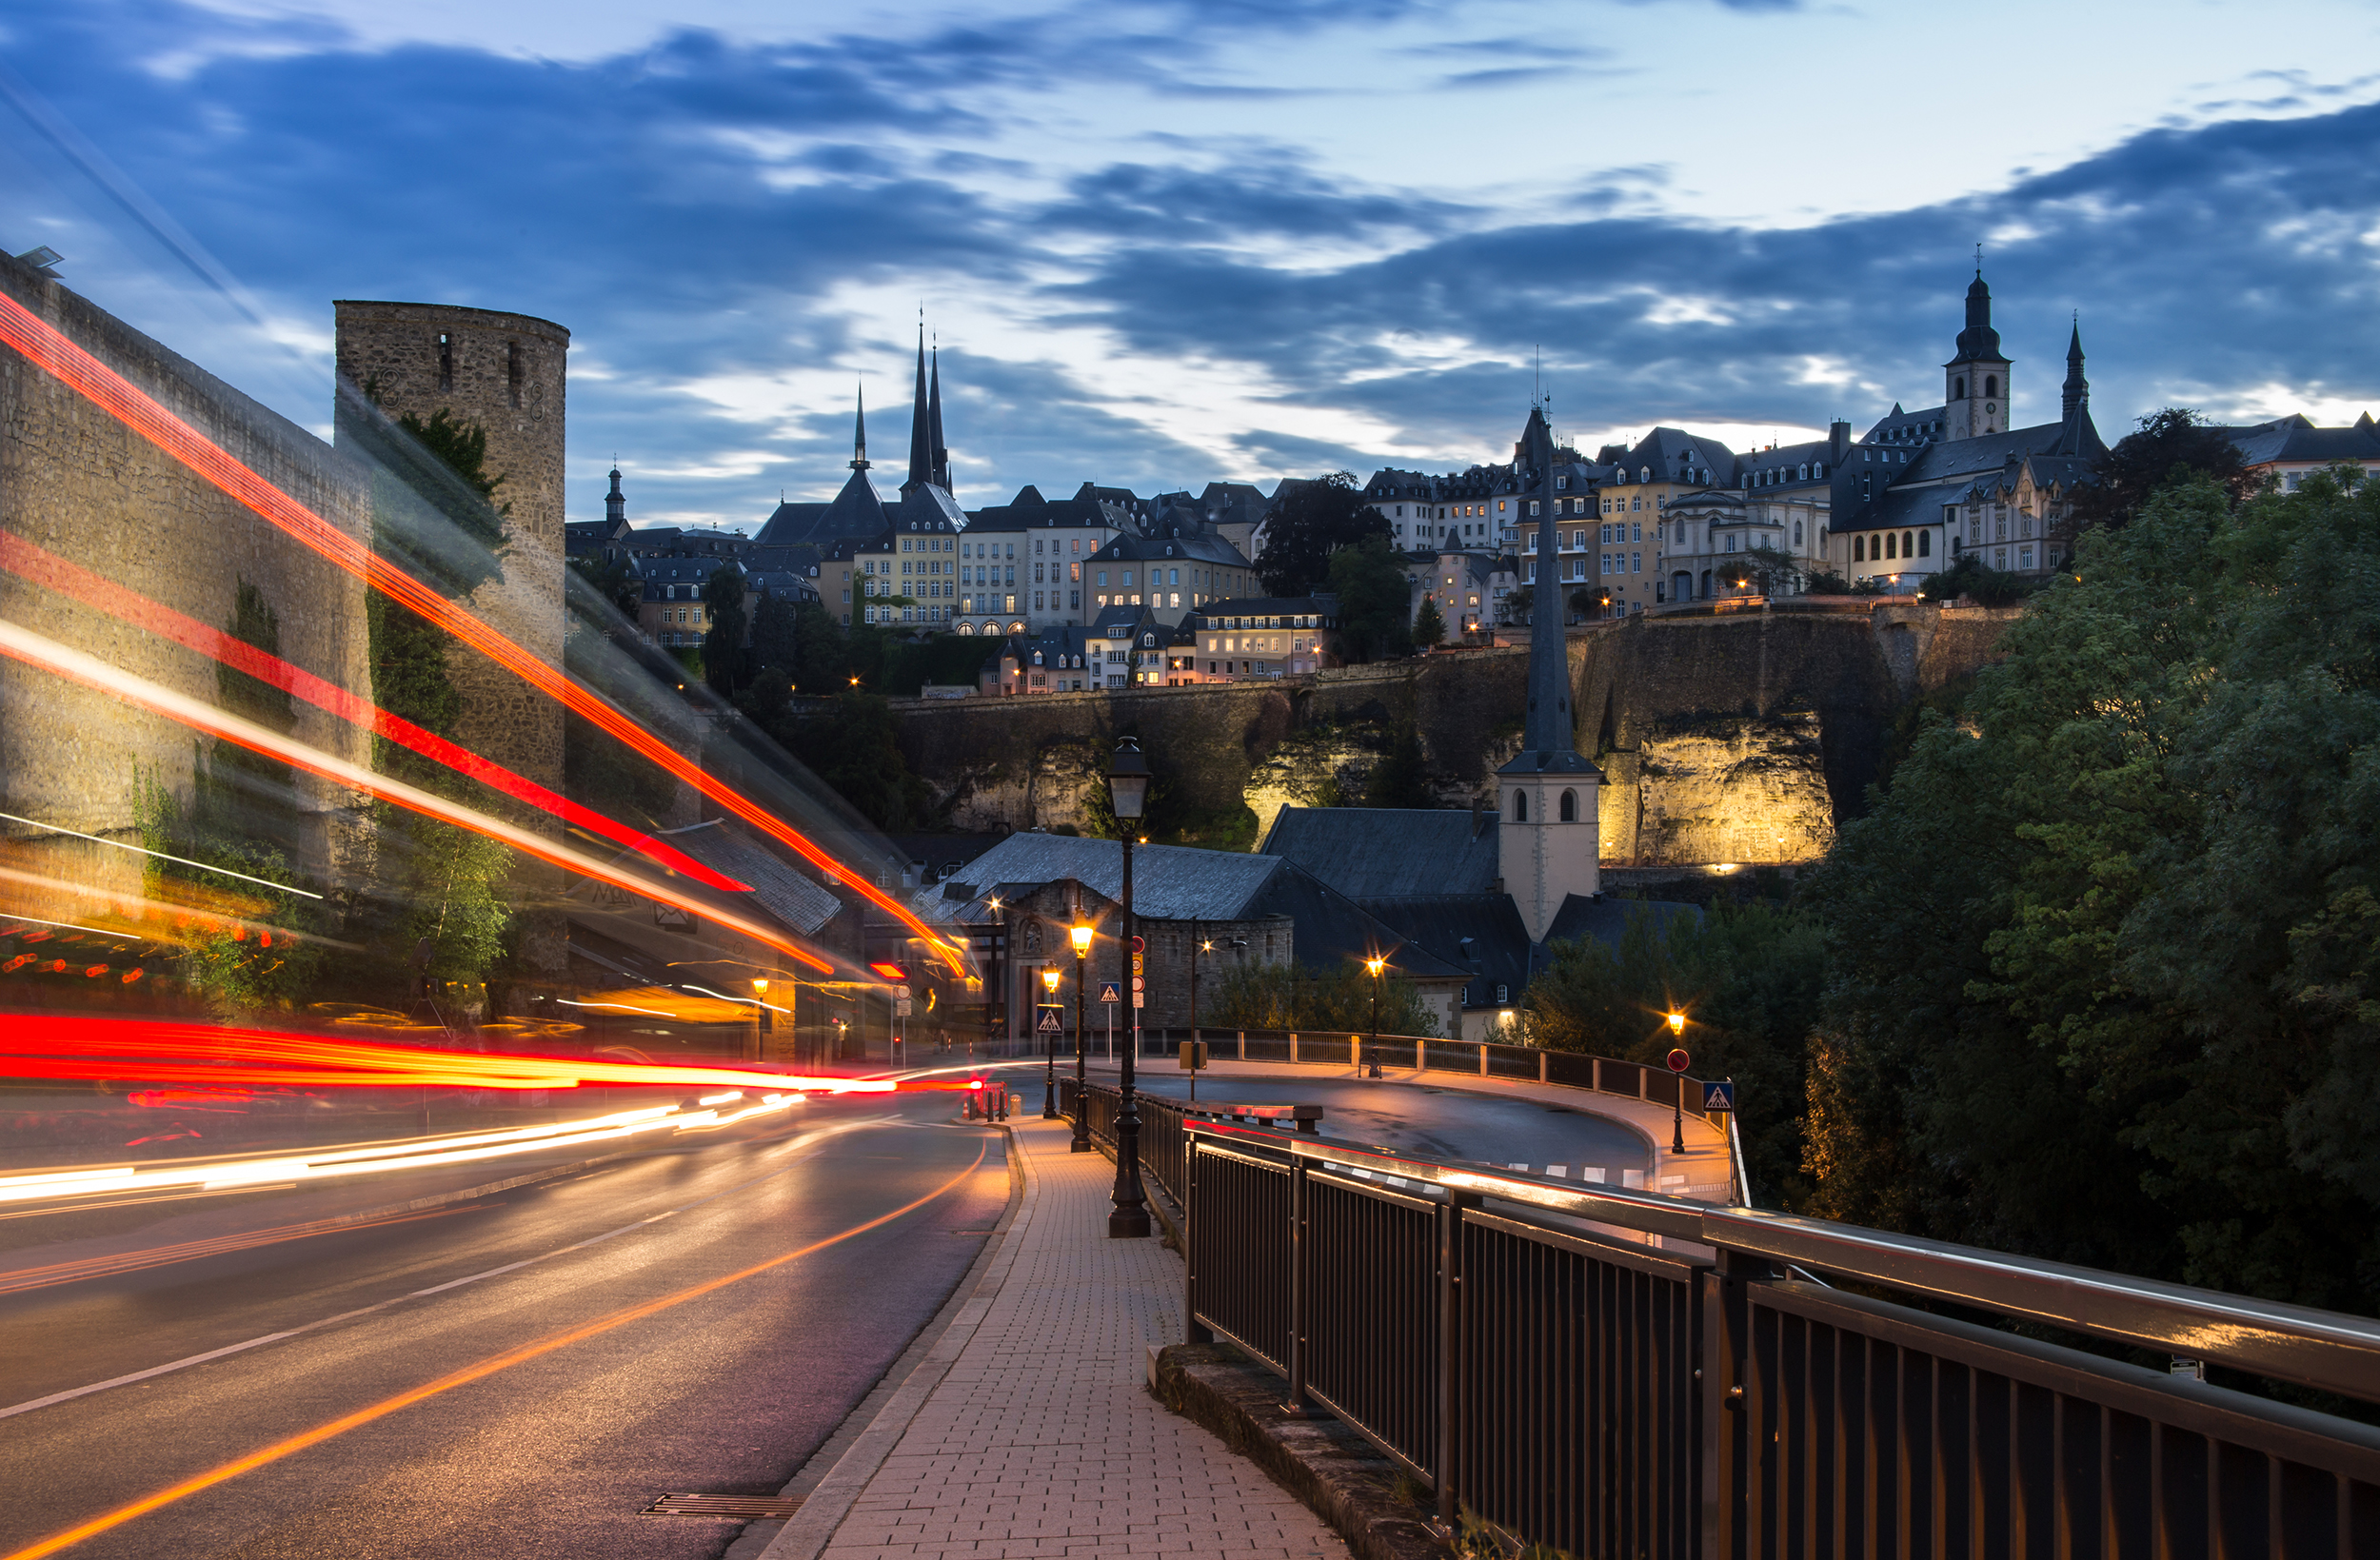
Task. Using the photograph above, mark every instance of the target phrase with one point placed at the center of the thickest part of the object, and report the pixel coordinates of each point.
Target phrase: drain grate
(728, 1508)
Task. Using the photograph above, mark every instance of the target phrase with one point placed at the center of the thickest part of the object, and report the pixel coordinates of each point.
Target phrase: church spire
(941, 451)
(921, 436)
(859, 435)
(615, 501)
(2077, 394)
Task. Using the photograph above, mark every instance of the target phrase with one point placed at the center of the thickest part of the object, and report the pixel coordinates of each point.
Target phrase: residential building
(1264, 637)
(1020, 563)
(1766, 535)
(2288, 450)
(1176, 569)
(1058, 660)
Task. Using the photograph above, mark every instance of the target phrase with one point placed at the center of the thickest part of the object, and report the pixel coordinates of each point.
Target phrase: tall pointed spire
(858, 434)
(2078, 395)
(941, 451)
(1546, 741)
(921, 436)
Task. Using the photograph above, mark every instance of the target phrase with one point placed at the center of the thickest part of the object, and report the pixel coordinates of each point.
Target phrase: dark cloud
(697, 211)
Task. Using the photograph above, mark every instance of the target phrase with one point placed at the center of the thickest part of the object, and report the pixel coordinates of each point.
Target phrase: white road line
(170, 1367)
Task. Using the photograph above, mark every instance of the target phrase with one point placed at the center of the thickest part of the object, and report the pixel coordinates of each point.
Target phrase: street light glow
(1082, 935)
(1676, 1023)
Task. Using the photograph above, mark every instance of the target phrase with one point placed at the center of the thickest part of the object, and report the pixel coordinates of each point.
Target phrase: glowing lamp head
(759, 985)
(1082, 935)
(1376, 966)
(1049, 978)
(1678, 1023)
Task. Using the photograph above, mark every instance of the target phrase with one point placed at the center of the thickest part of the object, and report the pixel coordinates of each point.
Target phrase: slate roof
(2297, 438)
(1955, 458)
(1437, 851)
(781, 891)
(1666, 450)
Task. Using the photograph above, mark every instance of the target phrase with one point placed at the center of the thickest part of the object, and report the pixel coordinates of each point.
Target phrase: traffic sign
(901, 1008)
(1110, 991)
(1049, 1024)
(1718, 1096)
(1679, 1061)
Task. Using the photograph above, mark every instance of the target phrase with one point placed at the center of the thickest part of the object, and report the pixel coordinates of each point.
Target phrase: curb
(838, 1472)
(1342, 1477)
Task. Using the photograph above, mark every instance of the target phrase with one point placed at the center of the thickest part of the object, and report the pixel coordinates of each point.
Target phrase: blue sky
(1165, 244)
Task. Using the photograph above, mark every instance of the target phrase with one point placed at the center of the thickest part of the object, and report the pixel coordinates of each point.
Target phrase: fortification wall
(1743, 738)
(78, 483)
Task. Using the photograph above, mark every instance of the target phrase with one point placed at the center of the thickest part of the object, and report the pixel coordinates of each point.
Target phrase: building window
(446, 361)
(1570, 806)
(512, 371)
(1520, 806)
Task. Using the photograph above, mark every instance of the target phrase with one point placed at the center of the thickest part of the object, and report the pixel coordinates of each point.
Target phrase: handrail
(2326, 1350)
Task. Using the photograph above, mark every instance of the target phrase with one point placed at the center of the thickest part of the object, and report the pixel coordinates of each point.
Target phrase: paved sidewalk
(1030, 1431)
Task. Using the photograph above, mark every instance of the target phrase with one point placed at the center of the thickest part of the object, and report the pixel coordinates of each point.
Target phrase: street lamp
(1678, 1105)
(1128, 792)
(1375, 965)
(1081, 933)
(1049, 1079)
(992, 987)
(760, 1006)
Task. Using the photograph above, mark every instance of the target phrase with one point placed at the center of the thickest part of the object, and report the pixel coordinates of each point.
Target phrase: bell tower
(1549, 833)
(1975, 382)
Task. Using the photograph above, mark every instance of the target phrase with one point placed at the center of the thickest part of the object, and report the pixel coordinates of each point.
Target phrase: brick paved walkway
(1036, 1436)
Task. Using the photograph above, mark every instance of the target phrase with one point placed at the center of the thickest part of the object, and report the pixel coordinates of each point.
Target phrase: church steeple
(615, 502)
(2077, 389)
(1976, 390)
(941, 451)
(921, 434)
(859, 436)
(1548, 844)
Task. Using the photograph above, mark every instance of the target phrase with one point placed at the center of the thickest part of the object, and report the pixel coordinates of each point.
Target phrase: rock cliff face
(1744, 737)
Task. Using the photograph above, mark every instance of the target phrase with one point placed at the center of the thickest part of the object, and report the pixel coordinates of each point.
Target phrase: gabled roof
(858, 510)
(785, 894)
(1437, 850)
(1669, 451)
(1965, 459)
(2296, 438)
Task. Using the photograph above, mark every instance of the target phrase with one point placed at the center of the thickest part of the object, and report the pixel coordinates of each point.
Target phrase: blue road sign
(1718, 1096)
(1049, 1024)
(1111, 991)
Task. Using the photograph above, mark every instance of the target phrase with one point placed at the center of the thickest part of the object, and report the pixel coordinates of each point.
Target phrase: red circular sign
(1679, 1061)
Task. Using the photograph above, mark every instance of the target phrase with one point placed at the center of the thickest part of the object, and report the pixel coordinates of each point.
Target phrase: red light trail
(49, 348)
(22, 644)
(22, 558)
(72, 1047)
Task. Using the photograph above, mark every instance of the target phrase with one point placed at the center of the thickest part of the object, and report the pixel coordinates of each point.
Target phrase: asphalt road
(1429, 1122)
(526, 1411)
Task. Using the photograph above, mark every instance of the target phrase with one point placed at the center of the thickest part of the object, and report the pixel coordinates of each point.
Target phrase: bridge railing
(1617, 1373)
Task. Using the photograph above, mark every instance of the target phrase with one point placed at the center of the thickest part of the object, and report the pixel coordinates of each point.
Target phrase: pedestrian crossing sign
(1111, 991)
(1718, 1096)
(1049, 1024)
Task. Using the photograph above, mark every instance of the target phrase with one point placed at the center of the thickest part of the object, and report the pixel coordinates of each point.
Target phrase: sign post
(1111, 994)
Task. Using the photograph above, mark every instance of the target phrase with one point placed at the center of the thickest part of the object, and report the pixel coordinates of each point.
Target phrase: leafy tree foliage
(1429, 624)
(726, 663)
(1771, 571)
(1520, 605)
(1749, 976)
(1292, 996)
(2102, 957)
(612, 580)
(1590, 601)
(1402, 779)
(853, 747)
(1969, 577)
(1373, 594)
(1310, 523)
(2168, 445)
(1826, 582)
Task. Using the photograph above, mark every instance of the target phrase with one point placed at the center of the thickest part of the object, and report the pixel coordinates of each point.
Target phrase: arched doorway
(1681, 586)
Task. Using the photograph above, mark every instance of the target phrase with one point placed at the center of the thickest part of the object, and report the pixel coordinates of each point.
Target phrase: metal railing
(1613, 1373)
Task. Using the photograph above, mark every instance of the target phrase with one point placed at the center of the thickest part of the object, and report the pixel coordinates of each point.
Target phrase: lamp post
(1375, 965)
(993, 991)
(1049, 1076)
(760, 1006)
(1678, 1105)
(1128, 791)
(1081, 1142)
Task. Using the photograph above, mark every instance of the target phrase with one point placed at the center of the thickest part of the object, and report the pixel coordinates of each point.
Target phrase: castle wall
(1734, 737)
(79, 483)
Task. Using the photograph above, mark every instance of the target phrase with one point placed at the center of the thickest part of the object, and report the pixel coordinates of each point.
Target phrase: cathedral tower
(1975, 381)
(1548, 838)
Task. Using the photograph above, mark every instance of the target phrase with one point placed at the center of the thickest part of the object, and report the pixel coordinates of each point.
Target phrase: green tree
(777, 634)
(1402, 779)
(1969, 577)
(854, 747)
(1309, 522)
(613, 580)
(1826, 582)
(1773, 571)
(1292, 996)
(2098, 947)
(2170, 445)
(1591, 602)
(1373, 596)
(726, 662)
(1429, 624)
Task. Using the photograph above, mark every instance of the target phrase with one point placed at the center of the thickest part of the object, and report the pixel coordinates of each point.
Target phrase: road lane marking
(73, 1393)
(489, 1366)
(17, 1280)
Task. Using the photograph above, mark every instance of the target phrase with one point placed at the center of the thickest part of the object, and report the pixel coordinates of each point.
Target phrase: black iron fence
(1613, 1373)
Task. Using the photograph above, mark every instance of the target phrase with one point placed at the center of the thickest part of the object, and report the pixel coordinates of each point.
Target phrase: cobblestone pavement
(1031, 1432)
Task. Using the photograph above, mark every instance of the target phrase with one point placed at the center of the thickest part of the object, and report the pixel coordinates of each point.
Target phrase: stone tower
(506, 373)
(1975, 382)
(1548, 837)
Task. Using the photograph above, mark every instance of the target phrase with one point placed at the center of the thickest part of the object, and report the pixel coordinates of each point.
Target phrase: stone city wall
(1730, 737)
(79, 483)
